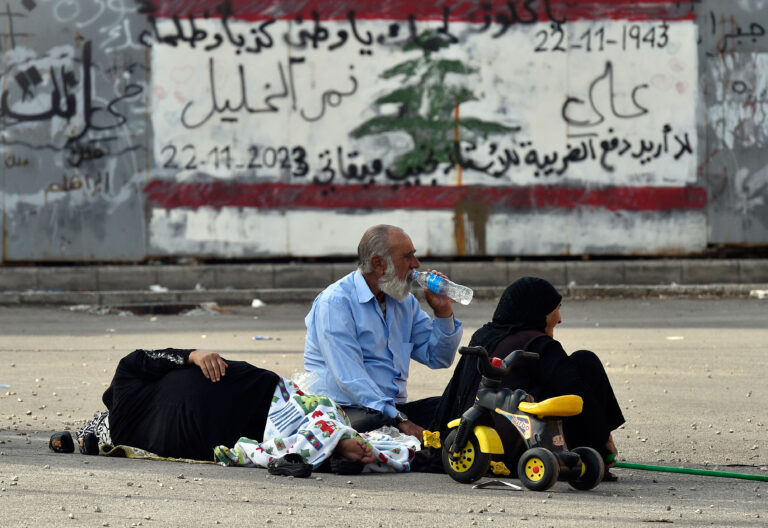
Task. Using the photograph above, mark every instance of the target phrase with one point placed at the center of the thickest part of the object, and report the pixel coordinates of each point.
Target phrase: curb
(239, 284)
(306, 295)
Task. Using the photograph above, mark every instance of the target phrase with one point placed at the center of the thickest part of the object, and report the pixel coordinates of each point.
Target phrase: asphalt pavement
(689, 374)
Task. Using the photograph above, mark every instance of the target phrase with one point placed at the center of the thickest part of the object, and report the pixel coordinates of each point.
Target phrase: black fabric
(518, 323)
(524, 305)
(603, 415)
(158, 402)
(365, 420)
(556, 373)
(421, 412)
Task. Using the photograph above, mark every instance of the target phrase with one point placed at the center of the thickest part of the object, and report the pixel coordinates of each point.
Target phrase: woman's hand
(210, 363)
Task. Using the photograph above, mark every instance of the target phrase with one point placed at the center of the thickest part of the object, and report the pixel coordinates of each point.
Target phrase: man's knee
(364, 420)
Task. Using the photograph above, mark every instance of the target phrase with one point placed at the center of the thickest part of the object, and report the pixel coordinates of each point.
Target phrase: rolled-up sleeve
(435, 340)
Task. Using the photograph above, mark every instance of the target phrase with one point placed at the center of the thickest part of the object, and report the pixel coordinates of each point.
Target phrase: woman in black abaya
(525, 318)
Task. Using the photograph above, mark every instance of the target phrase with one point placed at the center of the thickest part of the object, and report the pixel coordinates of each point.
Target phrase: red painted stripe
(171, 195)
(514, 11)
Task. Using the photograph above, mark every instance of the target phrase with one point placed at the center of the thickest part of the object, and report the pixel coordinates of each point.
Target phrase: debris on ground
(206, 308)
(99, 310)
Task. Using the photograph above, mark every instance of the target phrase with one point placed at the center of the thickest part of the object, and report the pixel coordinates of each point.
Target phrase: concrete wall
(267, 129)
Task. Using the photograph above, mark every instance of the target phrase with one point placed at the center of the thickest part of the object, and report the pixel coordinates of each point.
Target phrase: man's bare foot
(354, 449)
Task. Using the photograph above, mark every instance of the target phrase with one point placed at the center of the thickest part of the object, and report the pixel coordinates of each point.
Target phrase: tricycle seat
(568, 405)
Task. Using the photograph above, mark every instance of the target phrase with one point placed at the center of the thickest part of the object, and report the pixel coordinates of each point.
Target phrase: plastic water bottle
(438, 284)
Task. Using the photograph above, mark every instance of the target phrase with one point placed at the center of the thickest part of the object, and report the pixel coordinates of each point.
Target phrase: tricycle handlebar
(473, 351)
(488, 369)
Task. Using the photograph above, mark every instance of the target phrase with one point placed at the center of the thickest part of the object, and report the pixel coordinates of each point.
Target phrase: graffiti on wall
(55, 90)
(347, 95)
(622, 111)
(733, 42)
(73, 121)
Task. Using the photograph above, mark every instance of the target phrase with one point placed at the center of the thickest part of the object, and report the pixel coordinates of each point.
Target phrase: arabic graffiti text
(599, 38)
(283, 160)
(492, 159)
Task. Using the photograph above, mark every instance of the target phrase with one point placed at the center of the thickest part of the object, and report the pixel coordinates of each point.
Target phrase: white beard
(396, 288)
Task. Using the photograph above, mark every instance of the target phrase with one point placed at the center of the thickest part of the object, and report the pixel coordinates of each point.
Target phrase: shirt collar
(364, 293)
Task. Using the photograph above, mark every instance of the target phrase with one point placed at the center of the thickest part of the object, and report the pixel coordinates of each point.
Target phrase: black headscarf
(524, 305)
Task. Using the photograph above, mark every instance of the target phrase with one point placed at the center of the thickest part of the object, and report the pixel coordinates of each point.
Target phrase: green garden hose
(708, 473)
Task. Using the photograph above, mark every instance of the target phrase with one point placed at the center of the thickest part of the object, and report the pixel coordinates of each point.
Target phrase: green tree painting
(426, 109)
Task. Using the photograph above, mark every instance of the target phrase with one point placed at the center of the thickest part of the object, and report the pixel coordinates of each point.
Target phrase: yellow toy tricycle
(468, 448)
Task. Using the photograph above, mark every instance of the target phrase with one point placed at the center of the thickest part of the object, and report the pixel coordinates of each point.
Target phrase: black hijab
(524, 305)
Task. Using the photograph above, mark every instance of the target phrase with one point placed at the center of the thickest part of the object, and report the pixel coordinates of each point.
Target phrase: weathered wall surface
(733, 119)
(75, 130)
(250, 129)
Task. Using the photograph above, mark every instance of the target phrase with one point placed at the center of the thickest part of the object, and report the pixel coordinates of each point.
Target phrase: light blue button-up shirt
(361, 358)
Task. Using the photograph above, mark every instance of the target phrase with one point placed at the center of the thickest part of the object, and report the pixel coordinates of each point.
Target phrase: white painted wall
(624, 89)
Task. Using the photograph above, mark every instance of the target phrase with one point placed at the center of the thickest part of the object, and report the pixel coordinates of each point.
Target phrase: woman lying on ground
(160, 402)
(525, 318)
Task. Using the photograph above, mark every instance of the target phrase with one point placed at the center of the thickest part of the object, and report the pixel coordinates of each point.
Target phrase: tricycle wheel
(592, 469)
(471, 463)
(538, 469)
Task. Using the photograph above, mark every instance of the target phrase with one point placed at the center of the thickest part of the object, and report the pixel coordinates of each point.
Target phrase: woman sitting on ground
(525, 318)
(160, 403)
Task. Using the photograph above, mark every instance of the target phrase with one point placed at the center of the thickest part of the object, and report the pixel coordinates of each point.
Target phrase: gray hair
(375, 241)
